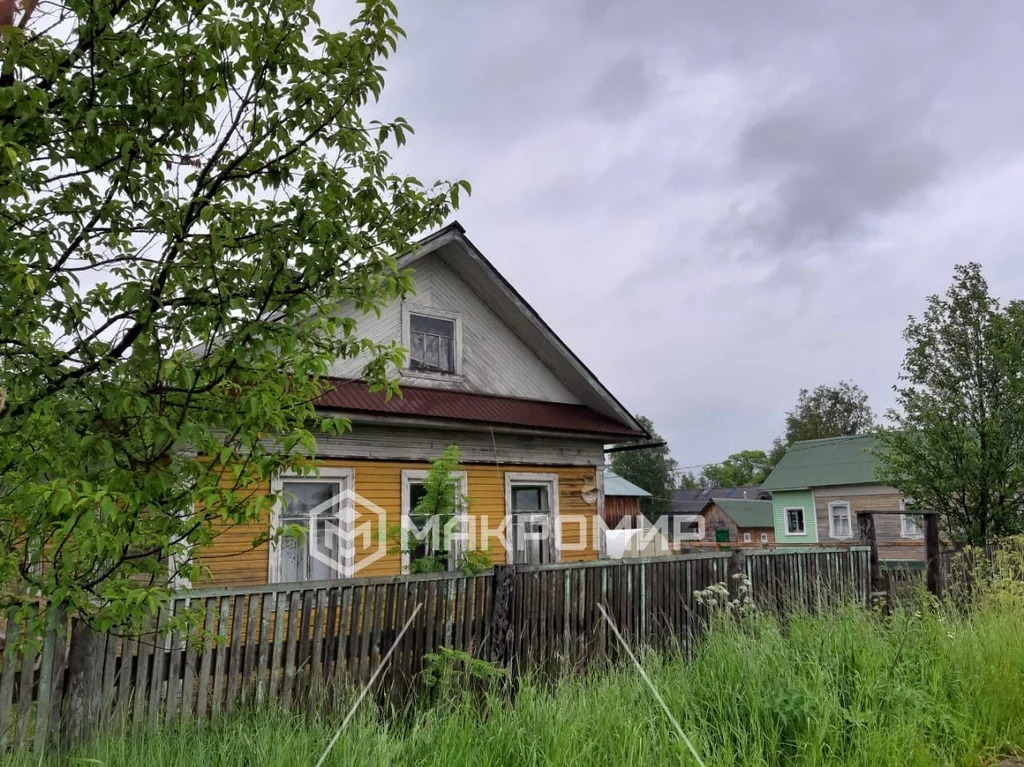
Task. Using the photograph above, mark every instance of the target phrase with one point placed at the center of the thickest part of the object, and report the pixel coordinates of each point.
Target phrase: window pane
(445, 354)
(293, 559)
(419, 323)
(421, 539)
(841, 521)
(431, 358)
(302, 498)
(416, 349)
(530, 544)
(416, 492)
(796, 520)
(528, 498)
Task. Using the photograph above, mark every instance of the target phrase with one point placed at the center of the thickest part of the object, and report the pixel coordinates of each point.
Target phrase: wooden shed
(621, 501)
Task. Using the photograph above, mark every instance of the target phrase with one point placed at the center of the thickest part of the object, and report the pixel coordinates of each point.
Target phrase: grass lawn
(848, 688)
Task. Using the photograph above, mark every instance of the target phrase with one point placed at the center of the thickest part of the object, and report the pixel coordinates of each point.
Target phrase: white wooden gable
(506, 349)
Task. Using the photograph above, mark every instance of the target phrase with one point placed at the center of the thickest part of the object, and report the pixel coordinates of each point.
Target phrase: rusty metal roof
(353, 396)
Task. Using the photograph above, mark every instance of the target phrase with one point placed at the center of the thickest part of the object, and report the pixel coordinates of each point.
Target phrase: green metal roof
(616, 485)
(824, 462)
(746, 513)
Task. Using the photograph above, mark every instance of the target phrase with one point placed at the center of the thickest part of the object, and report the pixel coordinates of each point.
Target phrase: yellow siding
(232, 560)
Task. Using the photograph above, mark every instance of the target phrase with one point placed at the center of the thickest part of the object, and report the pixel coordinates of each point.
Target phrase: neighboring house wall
(618, 507)
(784, 499)
(494, 360)
(892, 544)
(233, 561)
(716, 519)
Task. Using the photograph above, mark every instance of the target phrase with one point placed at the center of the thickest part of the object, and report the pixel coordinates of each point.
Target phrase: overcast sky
(717, 203)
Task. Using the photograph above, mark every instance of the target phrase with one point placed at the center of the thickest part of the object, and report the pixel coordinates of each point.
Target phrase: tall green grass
(848, 688)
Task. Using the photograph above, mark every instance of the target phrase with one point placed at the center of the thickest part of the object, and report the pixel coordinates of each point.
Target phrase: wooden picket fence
(294, 644)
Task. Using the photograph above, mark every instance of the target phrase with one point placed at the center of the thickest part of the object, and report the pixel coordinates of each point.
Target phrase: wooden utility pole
(931, 554)
(866, 527)
(503, 629)
(737, 566)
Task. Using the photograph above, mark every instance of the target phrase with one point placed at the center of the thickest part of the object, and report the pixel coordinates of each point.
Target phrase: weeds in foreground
(847, 688)
(924, 686)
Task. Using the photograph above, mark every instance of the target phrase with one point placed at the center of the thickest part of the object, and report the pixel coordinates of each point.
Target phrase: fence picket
(206, 649)
(26, 683)
(10, 667)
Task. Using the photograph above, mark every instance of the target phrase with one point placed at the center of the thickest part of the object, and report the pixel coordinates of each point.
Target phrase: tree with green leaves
(436, 515)
(829, 411)
(651, 468)
(188, 193)
(958, 440)
(748, 467)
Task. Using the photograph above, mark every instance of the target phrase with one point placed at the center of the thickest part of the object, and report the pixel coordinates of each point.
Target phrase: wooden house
(743, 521)
(820, 486)
(484, 372)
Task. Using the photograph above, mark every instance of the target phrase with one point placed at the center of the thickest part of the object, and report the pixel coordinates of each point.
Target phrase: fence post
(931, 553)
(503, 629)
(866, 527)
(84, 682)
(736, 566)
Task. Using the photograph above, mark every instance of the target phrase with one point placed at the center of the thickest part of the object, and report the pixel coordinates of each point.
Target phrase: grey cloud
(830, 179)
(625, 88)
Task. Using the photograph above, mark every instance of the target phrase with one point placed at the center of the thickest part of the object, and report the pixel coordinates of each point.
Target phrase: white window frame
(418, 475)
(438, 314)
(346, 514)
(764, 538)
(748, 538)
(514, 478)
(803, 516)
(919, 535)
(831, 520)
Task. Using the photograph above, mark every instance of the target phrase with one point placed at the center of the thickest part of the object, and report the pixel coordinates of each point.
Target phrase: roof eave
(458, 424)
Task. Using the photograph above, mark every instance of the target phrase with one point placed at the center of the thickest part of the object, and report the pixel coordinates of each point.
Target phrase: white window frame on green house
(803, 519)
(915, 529)
(417, 476)
(832, 529)
(748, 538)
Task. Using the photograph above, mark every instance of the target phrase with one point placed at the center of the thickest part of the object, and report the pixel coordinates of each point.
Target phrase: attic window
(431, 344)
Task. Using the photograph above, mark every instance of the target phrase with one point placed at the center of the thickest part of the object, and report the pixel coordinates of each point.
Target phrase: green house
(820, 485)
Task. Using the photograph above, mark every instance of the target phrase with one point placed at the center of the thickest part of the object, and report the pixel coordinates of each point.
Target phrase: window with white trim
(532, 512)
(431, 343)
(319, 507)
(422, 533)
(911, 525)
(764, 537)
(795, 520)
(840, 524)
(747, 538)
